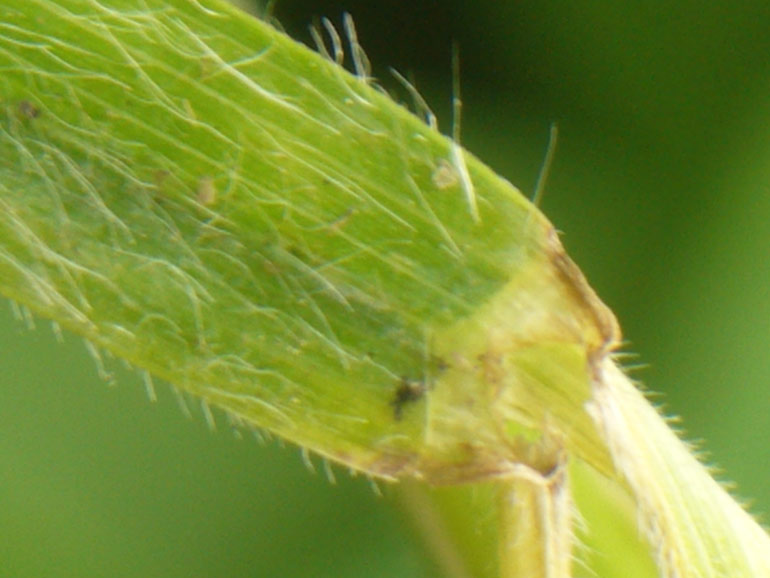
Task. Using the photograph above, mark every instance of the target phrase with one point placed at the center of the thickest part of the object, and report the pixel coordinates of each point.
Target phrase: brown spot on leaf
(207, 191)
(28, 110)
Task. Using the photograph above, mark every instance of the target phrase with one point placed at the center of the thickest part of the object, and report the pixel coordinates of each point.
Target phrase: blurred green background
(661, 185)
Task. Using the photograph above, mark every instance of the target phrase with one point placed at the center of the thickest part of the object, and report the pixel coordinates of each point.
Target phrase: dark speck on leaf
(28, 110)
(408, 391)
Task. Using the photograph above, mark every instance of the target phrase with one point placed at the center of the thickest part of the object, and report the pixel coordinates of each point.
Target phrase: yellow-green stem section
(694, 526)
(537, 521)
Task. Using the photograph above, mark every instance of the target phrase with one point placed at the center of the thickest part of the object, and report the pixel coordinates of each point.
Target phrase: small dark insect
(408, 391)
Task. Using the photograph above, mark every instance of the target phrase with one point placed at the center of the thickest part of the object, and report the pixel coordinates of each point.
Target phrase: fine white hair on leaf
(29, 319)
(458, 160)
(421, 107)
(267, 14)
(545, 168)
(375, 486)
(100, 368)
(457, 103)
(149, 386)
(329, 472)
(258, 435)
(361, 64)
(337, 56)
(320, 45)
(443, 231)
(180, 399)
(305, 453)
(15, 310)
(334, 36)
(206, 409)
(57, 333)
(236, 424)
(205, 10)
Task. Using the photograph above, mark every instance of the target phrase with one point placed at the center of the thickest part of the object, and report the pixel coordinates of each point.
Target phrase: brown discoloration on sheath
(492, 366)
(604, 320)
(387, 466)
(468, 461)
(543, 455)
(472, 463)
